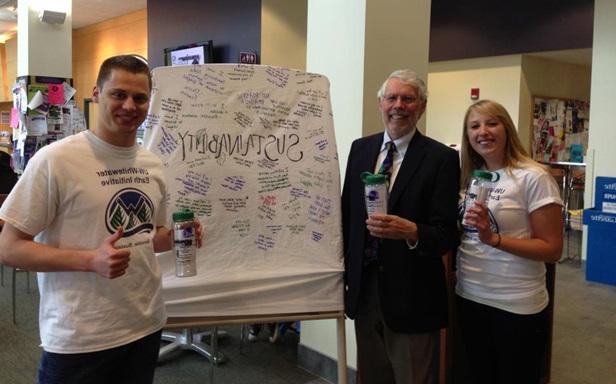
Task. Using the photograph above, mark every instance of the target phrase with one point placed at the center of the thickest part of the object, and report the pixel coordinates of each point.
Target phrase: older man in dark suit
(395, 278)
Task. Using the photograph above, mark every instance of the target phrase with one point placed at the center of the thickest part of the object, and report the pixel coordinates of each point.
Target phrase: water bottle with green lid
(375, 192)
(185, 243)
(478, 190)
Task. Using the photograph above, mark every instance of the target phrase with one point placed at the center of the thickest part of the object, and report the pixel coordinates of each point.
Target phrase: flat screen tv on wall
(196, 53)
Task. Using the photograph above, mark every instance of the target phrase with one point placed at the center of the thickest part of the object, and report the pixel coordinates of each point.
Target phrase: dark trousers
(385, 356)
(132, 363)
(502, 347)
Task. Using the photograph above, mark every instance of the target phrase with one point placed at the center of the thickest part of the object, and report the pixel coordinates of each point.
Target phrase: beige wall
(449, 89)
(389, 22)
(283, 33)
(9, 68)
(8, 72)
(94, 43)
(4, 92)
(510, 80)
(556, 79)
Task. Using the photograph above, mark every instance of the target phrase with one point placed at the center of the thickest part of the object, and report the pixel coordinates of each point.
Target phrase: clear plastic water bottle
(185, 243)
(375, 192)
(478, 190)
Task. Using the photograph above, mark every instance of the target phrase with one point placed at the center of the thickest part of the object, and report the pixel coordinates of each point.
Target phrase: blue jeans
(132, 363)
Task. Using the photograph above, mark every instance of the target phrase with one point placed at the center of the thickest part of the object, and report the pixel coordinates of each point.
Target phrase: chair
(192, 341)
(574, 205)
(13, 290)
(570, 177)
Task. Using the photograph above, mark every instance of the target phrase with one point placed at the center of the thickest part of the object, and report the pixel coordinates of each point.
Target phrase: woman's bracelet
(497, 241)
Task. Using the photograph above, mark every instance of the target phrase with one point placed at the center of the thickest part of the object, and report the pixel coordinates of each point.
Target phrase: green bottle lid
(486, 175)
(373, 178)
(183, 215)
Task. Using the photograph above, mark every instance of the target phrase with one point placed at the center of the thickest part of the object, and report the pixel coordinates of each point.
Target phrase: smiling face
(400, 108)
(487, 136)
(123, 105)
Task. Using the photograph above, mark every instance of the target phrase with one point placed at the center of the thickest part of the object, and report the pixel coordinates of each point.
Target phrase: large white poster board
(251, 150)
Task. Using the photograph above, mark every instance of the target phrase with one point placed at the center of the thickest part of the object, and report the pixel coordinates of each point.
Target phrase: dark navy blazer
(411, 283)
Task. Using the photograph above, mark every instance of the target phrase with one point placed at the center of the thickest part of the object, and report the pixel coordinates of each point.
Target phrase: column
(600, 155)
(44, 57)
(44, 49)
(356, 44)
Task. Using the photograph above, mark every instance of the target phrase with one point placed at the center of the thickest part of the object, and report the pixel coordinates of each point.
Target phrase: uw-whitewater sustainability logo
(131, 209)
(373, 195)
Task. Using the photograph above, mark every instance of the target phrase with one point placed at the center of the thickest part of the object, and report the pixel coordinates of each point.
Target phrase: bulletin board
(560, 129)
(43, 111)
(251, 150)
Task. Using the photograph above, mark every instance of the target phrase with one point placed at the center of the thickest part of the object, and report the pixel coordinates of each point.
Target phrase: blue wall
(233, 26)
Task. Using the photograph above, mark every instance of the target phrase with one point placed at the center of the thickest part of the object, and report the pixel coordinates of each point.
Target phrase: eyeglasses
(404, 99)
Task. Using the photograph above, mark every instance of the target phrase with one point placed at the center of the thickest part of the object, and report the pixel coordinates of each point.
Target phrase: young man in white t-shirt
(89, 214)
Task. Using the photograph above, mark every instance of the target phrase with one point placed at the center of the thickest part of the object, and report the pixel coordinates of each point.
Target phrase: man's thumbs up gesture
(108, 261)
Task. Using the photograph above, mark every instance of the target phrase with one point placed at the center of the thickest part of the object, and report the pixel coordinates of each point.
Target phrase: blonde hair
(515, 154)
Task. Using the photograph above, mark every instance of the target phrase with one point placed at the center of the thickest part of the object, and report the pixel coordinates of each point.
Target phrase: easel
(186, 339)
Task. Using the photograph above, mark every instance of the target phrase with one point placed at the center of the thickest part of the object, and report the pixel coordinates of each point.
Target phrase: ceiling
(85, 12)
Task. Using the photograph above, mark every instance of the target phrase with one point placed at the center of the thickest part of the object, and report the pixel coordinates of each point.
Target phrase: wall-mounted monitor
(196, 53)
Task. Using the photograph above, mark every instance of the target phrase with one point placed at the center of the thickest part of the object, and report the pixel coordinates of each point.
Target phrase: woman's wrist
(495, 243)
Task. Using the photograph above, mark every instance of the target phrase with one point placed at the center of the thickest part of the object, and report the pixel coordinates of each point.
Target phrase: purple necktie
(385, 168)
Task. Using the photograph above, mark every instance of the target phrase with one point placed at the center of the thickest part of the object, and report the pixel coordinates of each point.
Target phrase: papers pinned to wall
(41, 114)
(560, 129)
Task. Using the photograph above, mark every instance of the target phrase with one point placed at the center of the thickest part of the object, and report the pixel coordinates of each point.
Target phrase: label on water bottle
(185, 245)
(185, 257)
(472, 195)
(184, 252)
(184, 235)
(376, 199)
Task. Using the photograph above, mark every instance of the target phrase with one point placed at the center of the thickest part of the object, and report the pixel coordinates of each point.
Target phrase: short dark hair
(131, 63)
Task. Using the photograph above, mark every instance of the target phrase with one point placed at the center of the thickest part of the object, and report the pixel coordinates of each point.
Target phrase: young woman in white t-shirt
(501, 293)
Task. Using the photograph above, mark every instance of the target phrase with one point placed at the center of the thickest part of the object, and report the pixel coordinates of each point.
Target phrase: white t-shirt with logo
(73, 194)
(494, 277)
